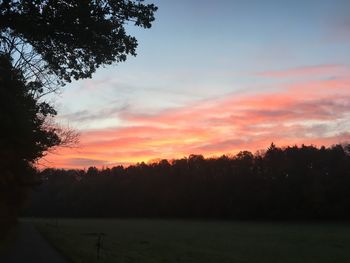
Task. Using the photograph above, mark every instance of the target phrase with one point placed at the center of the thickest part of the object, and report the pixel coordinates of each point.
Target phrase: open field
(146, 241)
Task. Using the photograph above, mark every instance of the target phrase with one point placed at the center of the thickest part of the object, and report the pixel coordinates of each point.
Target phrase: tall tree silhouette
(24, 134)
(44, 44)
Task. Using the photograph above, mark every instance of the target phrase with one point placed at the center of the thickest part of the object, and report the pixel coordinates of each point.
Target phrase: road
(29, 247)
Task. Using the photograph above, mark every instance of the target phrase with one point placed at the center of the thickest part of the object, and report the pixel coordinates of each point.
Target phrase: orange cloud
(311, 112)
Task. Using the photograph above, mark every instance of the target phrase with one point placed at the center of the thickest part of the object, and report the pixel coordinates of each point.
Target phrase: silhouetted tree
(70, 38)
(44, 44)
(24, 135)
(92, 171)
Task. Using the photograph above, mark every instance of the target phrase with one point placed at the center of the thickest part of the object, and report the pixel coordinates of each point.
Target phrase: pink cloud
(307, 112)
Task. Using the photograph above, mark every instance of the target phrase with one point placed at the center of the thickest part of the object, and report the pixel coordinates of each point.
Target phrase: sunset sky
(213, 78)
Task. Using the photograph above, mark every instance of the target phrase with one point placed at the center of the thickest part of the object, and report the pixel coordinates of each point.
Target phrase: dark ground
(27, 245)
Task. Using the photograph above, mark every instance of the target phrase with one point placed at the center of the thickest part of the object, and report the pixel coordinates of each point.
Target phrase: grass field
(137, 240)
(7, 237)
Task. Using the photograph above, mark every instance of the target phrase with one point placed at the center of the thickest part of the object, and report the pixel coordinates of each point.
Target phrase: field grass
(8, 234)
(156, 241)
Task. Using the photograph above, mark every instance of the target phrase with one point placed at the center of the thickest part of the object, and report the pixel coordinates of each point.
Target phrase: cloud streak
(313, 111)
(308, 71)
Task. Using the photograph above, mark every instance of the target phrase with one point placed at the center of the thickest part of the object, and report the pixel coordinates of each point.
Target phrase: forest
(289, 183)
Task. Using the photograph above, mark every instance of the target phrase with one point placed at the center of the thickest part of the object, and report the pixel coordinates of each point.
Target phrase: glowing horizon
(301, 112)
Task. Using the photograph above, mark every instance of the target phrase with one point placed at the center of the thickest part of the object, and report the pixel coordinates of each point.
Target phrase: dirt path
(29, 246)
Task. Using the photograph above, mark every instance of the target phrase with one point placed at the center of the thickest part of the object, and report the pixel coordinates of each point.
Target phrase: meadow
(148, 240)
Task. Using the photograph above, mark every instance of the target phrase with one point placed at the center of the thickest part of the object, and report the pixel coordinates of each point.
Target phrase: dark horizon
(293, 183)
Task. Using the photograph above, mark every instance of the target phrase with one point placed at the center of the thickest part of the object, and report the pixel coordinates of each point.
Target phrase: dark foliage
(44, 44)
(24, 135)
(290, 183)
(75, 37)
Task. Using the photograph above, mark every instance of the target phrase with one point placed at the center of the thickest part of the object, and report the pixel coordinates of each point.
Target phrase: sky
(214, 78)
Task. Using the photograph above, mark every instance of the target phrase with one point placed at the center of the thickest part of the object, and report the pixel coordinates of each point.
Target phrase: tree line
(290, 183)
